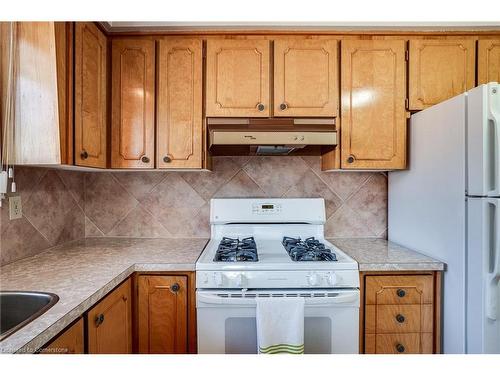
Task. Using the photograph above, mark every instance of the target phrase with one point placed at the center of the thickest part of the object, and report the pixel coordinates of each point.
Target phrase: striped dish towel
(280, 325)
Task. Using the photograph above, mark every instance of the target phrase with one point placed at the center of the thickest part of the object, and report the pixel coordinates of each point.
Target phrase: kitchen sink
(19, 308)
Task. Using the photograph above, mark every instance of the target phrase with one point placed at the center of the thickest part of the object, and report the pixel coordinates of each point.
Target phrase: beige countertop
(374, 254)
(82, 272)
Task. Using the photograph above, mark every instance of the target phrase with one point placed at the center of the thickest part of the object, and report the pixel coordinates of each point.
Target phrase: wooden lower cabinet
(109, 323)
(400, 313)
(70, 341)
(165, 314)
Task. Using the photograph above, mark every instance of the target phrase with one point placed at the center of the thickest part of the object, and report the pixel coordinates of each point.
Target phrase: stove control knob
(331, 279)
(313, 279)
(219, 279)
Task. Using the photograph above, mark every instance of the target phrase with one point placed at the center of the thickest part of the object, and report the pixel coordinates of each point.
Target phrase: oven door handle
(214, 299)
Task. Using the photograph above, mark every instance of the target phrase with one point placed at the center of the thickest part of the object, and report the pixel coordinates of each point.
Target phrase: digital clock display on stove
(267, 206)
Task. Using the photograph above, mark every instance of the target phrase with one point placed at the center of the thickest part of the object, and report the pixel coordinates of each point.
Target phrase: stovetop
(271, 253)
(308, 250)
(236, 250)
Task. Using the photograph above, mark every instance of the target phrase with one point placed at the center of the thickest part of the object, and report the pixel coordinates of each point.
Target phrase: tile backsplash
(61, 205)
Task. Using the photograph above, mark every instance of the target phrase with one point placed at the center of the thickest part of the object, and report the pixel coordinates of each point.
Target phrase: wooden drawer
(398, 318)
(401, 289)
(407, 343)
(68, 342)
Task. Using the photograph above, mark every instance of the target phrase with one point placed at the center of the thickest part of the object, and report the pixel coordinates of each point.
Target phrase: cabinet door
(179, 109)
(110, 323)
(162, 314)
(373, 104)
(439, 70)
(238, 78)
(488, 60)
(90, 96)
(68, 342)
(305, 78)
(132, 117)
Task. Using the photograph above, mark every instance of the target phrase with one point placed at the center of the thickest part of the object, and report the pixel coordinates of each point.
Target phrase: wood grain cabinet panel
(163, 314)
(68, 342)
(110, 322)
(488, 68)
(373, 86)
(179, 107)
(238, 78)
(306, 77)
(90, 96)
(401, 314)
(133, 96)
(401, 289)
(439, 70)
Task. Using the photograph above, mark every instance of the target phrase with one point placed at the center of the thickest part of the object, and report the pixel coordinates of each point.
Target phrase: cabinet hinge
(407, 103)
(407, 55)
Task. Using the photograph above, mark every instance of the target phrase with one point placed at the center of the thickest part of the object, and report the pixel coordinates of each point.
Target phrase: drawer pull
(400, 318)
(400, 348)
(401, 293)
(99, 319)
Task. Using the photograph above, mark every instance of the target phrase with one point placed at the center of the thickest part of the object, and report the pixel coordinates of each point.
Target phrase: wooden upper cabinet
(110, 322)
(305, 77)
(163, 314)
(133, 96)
(179, 107)
(238, 78)
(90, 96)
(488, 61)
(439, 70)
(373, 85)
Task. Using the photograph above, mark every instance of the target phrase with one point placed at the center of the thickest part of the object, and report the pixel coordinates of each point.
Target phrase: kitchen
(239, 190)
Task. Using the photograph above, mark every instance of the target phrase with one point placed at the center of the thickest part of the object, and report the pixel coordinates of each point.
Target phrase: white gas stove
(274, 248)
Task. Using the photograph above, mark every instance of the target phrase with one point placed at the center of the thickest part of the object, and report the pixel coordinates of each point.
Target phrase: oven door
(226, 320)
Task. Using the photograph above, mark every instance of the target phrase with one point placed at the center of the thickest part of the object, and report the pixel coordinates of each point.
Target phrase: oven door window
(241, 335)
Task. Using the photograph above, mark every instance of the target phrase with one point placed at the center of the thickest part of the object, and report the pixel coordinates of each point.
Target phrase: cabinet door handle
(167, 159)
(400, 348)
(84, 154)
(401, 293)
(99, 319)
(283, 106)
(351, 159)
(145, 159)
(261, 107)
(400, 318)
(175, 288)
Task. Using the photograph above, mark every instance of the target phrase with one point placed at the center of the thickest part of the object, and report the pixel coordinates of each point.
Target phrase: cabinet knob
(400, 318)
(167, 159)
(351, 159)
(401, 293)
(175, 288)
(283, 106)
(400, 348)
(84, 154)
(261, 107)
(99, 319)
(145, 159)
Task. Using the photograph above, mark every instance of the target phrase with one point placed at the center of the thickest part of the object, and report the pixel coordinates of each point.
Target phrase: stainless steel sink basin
(19, 308)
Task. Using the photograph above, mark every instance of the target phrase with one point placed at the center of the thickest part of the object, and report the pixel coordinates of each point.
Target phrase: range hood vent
(269, 136)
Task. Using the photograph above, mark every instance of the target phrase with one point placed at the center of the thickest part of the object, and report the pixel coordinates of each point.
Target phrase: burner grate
(236, 250)
(307, 250)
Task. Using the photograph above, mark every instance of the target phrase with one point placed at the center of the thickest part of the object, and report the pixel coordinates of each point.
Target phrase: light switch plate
(15, 207)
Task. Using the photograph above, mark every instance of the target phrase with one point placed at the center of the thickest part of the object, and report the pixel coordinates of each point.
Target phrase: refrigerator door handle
(493, 277)
(493, 123)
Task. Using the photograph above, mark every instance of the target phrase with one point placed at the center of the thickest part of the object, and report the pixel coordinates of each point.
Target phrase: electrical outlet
(15, 208)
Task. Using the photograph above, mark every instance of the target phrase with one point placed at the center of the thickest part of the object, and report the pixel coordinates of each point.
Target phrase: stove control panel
(266, 208)
(277, 279)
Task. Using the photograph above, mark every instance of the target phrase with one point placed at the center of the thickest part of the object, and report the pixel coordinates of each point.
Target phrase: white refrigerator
(447, 205)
